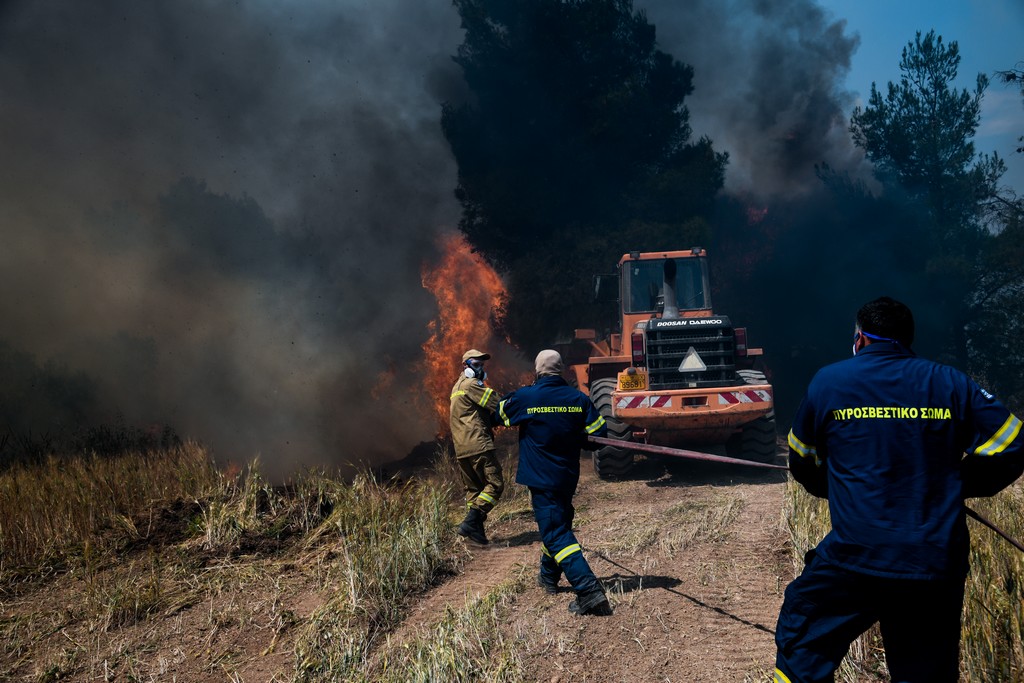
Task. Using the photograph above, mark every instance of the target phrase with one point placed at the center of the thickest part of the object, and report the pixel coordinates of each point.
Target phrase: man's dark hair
(886, 317)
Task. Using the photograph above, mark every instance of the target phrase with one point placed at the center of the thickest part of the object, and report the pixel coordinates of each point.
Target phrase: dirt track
(696, 561)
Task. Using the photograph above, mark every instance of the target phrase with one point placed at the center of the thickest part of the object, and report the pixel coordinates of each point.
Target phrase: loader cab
(646, 278)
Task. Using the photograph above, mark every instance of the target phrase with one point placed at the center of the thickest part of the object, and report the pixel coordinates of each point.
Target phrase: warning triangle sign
(692, 362)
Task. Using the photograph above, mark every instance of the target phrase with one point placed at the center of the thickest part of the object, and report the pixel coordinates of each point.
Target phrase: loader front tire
(611, 462)
(757, 440)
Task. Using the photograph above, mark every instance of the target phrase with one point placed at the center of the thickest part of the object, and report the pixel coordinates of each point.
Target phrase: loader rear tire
(757, 440)
(611, 462)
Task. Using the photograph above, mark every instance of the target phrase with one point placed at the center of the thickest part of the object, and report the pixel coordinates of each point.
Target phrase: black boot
(592, 602)
(548, 584)
(472, 527)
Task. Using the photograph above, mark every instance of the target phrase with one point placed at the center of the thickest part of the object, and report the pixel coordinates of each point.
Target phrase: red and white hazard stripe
(733, 397)
(633, 402)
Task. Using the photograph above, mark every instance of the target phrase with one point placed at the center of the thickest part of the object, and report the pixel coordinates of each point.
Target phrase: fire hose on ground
(709, 457)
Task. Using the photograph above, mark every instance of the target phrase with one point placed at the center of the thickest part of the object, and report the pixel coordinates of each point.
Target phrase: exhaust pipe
(671, 303)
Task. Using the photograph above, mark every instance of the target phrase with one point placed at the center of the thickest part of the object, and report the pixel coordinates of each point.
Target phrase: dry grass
(630, 536)
(695, 521)
(69, 507)
(388, 544)
(465, 645)
(122, 550)
(158, 566)
(993, 618)
(992, 647)
(688, 522)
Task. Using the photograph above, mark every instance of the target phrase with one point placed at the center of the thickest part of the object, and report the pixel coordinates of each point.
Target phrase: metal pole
(680, 453)
(1015, 543)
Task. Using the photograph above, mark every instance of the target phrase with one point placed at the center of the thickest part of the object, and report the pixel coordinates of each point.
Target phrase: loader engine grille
(669, 342)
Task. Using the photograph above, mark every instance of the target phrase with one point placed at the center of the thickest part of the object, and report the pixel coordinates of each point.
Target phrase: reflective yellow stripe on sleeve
(567, 551)
(802, 449)
(487, 395)
(595, 425)
(1001, 439)
(501, 413)
(780, 677)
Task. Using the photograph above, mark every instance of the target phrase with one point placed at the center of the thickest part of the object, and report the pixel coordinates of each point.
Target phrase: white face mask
(475, 370)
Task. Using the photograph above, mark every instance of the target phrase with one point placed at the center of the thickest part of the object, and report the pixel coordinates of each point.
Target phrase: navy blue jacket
(554, 422)
(883, 436)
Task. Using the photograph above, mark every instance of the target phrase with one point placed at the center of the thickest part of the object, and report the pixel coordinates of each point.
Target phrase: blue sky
(990, 34)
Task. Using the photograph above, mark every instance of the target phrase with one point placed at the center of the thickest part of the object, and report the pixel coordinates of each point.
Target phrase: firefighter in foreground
(883, 437)
(554, 422)
(473, 404)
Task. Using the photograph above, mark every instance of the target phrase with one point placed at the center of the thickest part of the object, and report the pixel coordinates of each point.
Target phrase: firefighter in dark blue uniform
(554, 422)
(895, 443)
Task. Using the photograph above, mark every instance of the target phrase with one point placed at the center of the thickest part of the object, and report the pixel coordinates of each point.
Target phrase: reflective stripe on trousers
(561, 552)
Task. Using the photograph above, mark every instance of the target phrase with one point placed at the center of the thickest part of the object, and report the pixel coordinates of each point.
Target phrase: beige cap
(473, 353)
(549, 362)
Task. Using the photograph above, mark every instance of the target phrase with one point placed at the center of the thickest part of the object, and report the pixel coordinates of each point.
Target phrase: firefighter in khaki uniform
(473, 404)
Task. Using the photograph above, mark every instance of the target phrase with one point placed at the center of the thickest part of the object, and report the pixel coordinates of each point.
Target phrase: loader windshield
(643, 285)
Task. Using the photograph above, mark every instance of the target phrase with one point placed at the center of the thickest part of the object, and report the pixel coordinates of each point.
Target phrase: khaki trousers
(482, 480)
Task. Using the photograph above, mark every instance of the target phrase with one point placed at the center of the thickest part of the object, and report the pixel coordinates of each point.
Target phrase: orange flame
(469, 294)
(756, 214)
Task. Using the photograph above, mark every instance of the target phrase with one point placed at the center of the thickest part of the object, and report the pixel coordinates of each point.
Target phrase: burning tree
(574, 140)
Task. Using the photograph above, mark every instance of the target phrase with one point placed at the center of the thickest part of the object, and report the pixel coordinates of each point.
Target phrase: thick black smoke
(768, 91)
(219, 211)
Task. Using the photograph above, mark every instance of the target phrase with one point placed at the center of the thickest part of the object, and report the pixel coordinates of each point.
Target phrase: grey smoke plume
(219, 210)
(767, 80)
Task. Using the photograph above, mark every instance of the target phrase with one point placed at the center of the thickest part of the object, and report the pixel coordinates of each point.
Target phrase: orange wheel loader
(676, 373)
